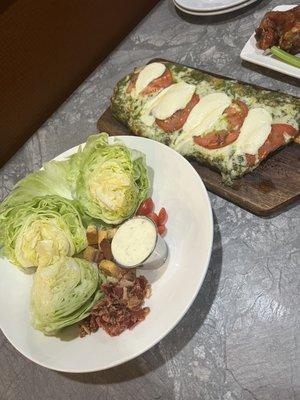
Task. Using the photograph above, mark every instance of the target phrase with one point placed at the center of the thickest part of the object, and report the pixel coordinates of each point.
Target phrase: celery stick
(286, 57)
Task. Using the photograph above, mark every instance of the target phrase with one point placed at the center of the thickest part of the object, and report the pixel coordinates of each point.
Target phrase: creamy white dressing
(167, 102)
(134, 241)
(203, 117)
(148, 74)
(254, 131)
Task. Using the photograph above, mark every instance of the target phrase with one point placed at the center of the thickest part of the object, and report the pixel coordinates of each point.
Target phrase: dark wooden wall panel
(47, 48)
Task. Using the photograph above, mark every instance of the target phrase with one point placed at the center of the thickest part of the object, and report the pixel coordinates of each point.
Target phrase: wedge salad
(60, 221)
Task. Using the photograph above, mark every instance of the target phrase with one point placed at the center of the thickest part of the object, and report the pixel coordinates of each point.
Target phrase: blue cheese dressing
(134, 241)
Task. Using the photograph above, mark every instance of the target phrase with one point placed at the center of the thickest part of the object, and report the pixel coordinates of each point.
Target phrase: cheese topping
(167, 102)
(206, 113)
(203, 116)
(148, 74)
(254, 132)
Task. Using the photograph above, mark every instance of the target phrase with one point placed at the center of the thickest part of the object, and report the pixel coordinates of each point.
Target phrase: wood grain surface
(267, 190)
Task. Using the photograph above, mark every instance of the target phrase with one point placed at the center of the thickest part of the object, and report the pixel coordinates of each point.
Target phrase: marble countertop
(240, 339)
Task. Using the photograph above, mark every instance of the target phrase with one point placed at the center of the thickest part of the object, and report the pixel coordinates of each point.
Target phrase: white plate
(257, 56)
(204, 5)
(178, 187)
(218, 12)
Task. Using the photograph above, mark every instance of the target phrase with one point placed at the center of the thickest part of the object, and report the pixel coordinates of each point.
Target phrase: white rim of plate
(247, 53)
(220, 12)
(63, 156)
(212, 9)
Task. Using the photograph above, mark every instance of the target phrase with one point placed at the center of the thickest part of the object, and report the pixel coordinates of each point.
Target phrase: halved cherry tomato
(154, 217)
(162, 216)
(161, 229)
(146, 207)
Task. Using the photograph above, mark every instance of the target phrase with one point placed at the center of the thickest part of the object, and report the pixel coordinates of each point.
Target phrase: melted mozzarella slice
(203, 116)
(167, 102)
(148, 74)
(254, 131)
(206, 113)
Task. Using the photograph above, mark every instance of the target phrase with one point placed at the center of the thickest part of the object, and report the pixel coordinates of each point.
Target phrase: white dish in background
(204, 5)
(257, 56)
(217, 12)
(176, 186)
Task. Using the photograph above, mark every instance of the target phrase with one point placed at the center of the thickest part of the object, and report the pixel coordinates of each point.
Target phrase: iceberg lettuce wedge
(112, 180)
(64, 293)
(56, 178)
(34, 233)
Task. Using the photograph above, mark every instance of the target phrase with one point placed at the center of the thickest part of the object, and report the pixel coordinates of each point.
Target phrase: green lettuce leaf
(36, 232)
(64, 293)
(107, 182)
(112, 180)
(56, 178)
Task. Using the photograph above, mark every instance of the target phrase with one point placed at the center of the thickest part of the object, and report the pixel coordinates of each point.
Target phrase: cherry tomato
(161, 229)
(162, 216)
(154, 217)
(146, 207)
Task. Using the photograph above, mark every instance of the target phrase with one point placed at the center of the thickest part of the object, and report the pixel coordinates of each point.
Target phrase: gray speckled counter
(240, 339)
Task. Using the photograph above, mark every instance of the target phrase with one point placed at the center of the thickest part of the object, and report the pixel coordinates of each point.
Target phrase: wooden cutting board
(267, 190)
